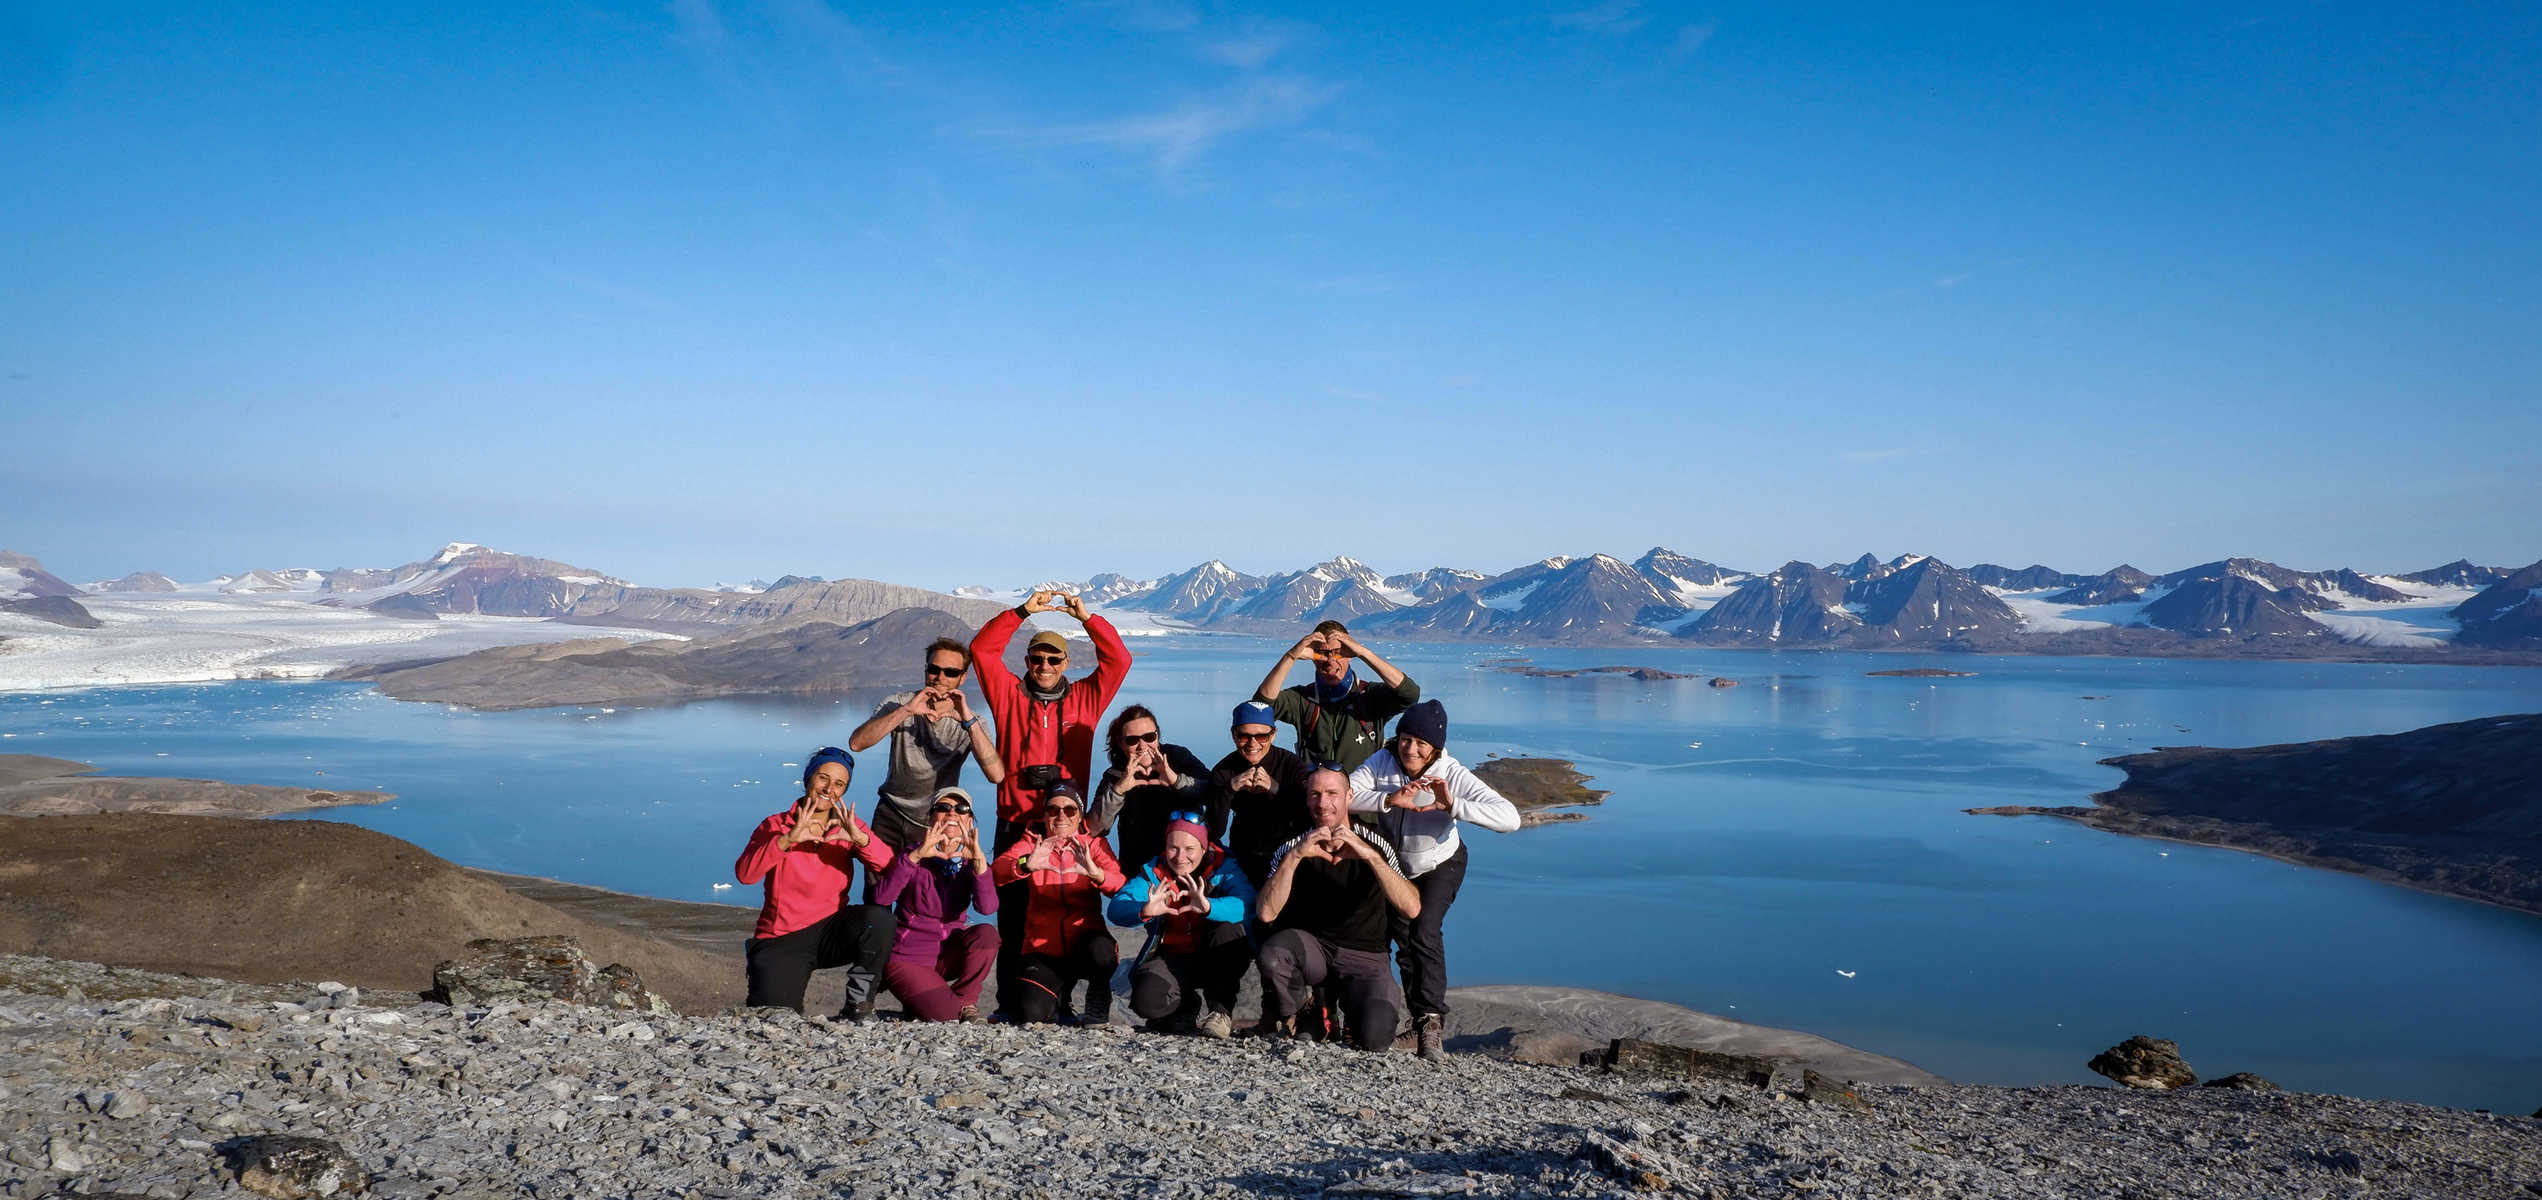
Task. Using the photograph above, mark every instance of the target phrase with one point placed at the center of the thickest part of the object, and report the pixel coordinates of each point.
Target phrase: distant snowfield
(2419, 621)
(203, 634)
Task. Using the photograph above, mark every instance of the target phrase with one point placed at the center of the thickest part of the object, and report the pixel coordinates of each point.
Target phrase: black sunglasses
(1046, 659)
(1134, 738)
(951, 807)
(948, 672)
(1252, 737)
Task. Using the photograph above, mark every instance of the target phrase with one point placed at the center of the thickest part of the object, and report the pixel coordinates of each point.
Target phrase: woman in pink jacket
(807, 858)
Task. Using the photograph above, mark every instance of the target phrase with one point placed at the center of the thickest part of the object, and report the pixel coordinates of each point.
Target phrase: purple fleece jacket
(930, 905)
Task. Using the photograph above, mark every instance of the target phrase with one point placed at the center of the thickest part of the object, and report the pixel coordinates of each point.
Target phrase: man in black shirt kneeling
(1329, 895)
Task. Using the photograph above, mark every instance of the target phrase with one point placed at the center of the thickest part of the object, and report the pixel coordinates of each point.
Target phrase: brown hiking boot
(970, 1015)
(1430, 1038)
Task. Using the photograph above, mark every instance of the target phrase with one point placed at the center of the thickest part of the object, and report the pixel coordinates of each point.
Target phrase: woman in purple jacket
(938, 959)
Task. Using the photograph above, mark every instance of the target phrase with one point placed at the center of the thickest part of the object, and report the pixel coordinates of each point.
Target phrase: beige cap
(1050, 638)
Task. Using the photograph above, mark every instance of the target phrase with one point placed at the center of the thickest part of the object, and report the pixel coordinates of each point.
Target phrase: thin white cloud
(1251, 52)
(1613, 18)
(1180, 134)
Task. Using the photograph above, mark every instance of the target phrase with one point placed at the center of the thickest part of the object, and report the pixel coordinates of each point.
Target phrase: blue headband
(828, 754)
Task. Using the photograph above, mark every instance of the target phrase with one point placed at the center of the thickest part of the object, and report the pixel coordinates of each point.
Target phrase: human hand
(1411, 797)
(1195, 897)
(1254, 779)
(971, 836)
(1348, 845)
(1085, 860)
(1076, 607)
(1439, 790)
(961, 704)
(1161, 899)
(1039, 602)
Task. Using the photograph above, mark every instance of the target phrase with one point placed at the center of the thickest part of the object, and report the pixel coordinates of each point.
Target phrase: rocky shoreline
(2449, 809)
(121, 1082)
(33, 785)
(1540, 788)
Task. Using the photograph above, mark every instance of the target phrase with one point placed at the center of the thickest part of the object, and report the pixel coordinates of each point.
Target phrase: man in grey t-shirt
(930, 730)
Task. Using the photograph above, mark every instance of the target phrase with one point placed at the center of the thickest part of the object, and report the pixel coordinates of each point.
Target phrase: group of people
(1306, 863)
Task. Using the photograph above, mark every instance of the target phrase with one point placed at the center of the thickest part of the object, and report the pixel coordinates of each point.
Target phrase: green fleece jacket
(1344, 735)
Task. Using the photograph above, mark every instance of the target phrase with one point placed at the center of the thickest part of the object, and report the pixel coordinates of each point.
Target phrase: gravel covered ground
(121, 1081)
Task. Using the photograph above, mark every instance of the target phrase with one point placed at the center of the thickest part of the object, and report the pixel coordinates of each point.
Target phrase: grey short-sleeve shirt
(923, 755)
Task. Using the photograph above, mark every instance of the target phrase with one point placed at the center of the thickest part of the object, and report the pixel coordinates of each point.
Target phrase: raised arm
(1385, 670)
(1123, 908)
(1471, 799)
(1111, 656)
(988, 654)
(1279, 676)
(767, 844)
(1365, 793)
(887, 718)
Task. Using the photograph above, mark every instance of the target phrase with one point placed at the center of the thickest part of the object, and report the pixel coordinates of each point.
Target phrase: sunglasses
(1135, 738)
(1046, 660)
(1064, 810)
(1252, 737)
(947, 672)
(960, 809)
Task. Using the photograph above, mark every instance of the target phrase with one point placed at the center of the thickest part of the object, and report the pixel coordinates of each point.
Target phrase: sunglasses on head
(1046, 660)
(947, 672)
(1133, 738)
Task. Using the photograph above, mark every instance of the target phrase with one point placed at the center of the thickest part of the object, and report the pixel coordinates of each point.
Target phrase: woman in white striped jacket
(1421, 795)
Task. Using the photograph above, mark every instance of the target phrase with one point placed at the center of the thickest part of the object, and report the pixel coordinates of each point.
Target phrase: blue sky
(723, 288)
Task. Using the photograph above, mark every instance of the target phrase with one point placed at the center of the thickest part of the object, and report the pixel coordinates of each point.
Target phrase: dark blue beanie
(1427, 721)
(828, 754)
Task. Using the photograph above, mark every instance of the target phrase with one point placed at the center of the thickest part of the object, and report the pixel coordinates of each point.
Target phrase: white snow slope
(202, 635)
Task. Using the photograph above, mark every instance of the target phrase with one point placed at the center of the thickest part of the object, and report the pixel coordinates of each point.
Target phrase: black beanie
(1427, 721)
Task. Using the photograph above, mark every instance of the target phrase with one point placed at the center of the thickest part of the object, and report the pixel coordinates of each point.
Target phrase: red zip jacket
(1063, 907)
(1032, 731)
(807, 883)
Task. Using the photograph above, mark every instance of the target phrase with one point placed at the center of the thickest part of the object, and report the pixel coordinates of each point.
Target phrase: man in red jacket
(1045, 732)
(1043, 718)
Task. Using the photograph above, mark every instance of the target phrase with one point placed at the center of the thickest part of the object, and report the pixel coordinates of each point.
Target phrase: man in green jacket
(1340, 718)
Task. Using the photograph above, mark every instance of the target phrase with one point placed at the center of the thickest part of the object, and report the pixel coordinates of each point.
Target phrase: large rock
(2143, 1062)
(1632, 1056)
(296, 1168)
(539, 968)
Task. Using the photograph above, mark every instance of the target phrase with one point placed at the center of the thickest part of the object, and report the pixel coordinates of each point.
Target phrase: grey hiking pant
(1294, 961)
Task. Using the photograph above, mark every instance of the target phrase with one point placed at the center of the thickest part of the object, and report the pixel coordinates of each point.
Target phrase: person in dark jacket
(938, 958)
(1331, 895)
(1193, 899)
(1340, 717)
(807, 856)
(1069, 873)
(1149, 780)
(1265, 787)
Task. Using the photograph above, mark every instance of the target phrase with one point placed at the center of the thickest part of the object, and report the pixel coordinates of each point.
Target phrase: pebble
(551, 1100)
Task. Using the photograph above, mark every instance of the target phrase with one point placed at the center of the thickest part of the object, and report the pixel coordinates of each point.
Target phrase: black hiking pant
(1420, 950)
(1294, 961)
(1169, 983)
(857, 937)
(1043, 981)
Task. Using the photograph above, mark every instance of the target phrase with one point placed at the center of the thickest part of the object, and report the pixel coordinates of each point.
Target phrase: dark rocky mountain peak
(2117, 585)
(1680, 577)
(2507, 615)
(2346, 584)
(1433, 583)
(1201, 594)
(2236, 604)
(21, 575)
(1297, 594)
(787, 581)
(2031, 578)
(1795, 602)
(1928, 601)
(2461, 572)
(1868, 566)
(1456, 614)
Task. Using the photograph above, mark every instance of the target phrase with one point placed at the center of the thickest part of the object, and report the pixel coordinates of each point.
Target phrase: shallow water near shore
(1760, 840)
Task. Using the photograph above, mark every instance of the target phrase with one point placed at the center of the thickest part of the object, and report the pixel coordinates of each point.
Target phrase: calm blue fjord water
(1760, 839)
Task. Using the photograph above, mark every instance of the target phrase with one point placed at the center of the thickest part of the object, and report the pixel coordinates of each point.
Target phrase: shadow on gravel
(1411, 1174)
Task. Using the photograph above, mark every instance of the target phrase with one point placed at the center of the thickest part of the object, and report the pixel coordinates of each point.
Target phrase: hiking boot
(1215, 1024)
(1098, 1005)
(970, 1015)
(1426, 1031)
(1284, 1029)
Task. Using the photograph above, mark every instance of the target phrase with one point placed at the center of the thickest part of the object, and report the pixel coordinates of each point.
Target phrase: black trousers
(1294, 962)
(1421, 953)
(1168, 983)
(1043, 982)
(857, 937)
(1012, 900)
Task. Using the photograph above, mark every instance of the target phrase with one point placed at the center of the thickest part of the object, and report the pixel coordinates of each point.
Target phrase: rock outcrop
(2153, 1064)
(548, 967)
(2507, 615)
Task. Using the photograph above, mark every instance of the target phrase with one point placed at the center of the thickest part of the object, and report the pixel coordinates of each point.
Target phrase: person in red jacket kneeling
(807, 856)
(1064, 939)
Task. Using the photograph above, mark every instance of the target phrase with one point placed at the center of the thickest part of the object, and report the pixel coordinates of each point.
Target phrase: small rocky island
(1645, 674)
(2452, 808)
(1540, 787)
(33, 785)
(1922, 673)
